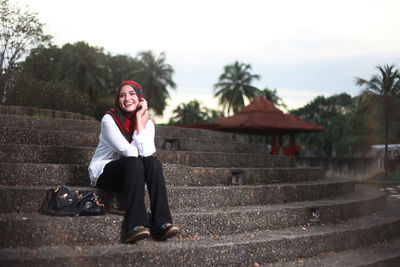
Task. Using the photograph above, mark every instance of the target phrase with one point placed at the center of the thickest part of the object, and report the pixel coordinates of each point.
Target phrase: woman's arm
(144, 135)
(142, 115)
(144, 140)
(114, 139)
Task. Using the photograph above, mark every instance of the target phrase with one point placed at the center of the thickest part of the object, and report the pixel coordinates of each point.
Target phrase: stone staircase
(235, 205)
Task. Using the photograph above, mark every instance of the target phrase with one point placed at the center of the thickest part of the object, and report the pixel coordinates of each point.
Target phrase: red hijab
(126, 121)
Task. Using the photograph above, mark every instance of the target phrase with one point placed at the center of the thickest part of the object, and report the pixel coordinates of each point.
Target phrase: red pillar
(274, 148)
(292, 145)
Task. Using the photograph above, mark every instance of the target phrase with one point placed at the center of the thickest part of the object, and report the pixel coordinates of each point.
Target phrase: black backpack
(63, 202)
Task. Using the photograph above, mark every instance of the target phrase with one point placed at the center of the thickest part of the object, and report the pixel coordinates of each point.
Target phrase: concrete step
(17, 153)
(212, 176)
(49, 124)
(29, 198)
(198, 222)
(207, 145)
(44, 174)
(10, 153)
(176, 132)
(94, 126)
(380, 254)
(218, 159)
(177, 175)
(243, 249)
(28, 136)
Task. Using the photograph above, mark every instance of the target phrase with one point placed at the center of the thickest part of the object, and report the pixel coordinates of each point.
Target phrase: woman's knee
(132, 164)
(152, 163)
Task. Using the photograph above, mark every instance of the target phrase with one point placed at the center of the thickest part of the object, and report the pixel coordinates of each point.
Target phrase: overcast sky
(301, 48)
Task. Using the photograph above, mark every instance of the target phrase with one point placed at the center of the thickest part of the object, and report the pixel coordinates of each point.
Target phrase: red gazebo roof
(260, 117)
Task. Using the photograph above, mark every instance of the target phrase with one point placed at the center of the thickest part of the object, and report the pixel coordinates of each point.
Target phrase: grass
(394, 176)
(39, 115)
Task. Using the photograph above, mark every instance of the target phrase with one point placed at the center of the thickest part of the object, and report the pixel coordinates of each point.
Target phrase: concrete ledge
(385, 253)
(204, 222)
(29, 136)
(216, 159)
(29, 198)
(11, 135)
(49, 124)
(10, 153)
(31, 111)
(14, 153)
(259, 247)
(44, 174)
(208, 145)
(177, 175)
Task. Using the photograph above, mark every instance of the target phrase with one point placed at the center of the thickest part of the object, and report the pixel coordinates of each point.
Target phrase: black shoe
(166, 231)
(137, 233)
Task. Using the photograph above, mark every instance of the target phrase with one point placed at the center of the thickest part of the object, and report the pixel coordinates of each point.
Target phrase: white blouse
(113, 145)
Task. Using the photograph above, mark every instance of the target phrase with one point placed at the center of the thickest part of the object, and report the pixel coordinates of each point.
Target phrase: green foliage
(272, 95)
(20, 31)
(383, 89)
(233, 85)
(155, 76)
(346, 125)
(39, 115)
(95, 74)
(193, 112)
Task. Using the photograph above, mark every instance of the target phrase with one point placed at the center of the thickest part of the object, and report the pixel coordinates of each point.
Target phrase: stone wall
(45, 113)
(358, 168)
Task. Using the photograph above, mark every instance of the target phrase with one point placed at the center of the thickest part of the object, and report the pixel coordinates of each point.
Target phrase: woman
(123, 160)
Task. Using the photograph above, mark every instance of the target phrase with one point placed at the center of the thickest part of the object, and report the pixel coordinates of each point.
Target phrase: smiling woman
(123, 161)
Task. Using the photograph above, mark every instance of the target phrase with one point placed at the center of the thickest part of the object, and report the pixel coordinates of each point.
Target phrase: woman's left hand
(142, 107)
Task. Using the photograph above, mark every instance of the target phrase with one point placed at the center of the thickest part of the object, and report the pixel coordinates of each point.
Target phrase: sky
(300, 48)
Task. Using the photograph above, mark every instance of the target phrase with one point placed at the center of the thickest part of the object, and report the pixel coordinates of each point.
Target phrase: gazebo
(263, 118)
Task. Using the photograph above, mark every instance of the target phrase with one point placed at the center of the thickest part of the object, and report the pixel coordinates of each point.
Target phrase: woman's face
(128, 100)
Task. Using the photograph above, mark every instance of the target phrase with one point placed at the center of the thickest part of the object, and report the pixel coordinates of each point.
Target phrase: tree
(334, 113)
(191, 112)
(43, 64)
(272, 95)
(84, 67)
(384, 87)
(155, 76)
(194, 112)
(122, 67)
(20, 32)
(235, 84)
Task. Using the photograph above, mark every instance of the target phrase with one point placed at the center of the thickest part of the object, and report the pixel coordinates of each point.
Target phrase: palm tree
(234, 84)
(385, 87)
(272, 95)
(84, 67)
(191, 112)
(155, 76)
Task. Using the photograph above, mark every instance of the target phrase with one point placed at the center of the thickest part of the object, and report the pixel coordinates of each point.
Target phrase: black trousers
(130, 174)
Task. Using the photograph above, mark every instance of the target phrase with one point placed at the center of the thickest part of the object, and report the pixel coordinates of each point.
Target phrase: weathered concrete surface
(15, 135)
(223, 222)
(195, 222)
(49, 124)
(28, 198)
(259, 247)
(10, 153)
(381, 254)
(177, 175)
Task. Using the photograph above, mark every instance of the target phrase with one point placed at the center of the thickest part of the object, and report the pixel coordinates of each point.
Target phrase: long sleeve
(112, 137)
(145, 140)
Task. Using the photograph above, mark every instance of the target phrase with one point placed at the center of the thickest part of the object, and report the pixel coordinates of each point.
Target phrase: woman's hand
(142, 107)
(142, 116)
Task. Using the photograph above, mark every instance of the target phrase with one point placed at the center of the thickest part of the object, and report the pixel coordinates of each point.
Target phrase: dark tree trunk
(386, 107)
